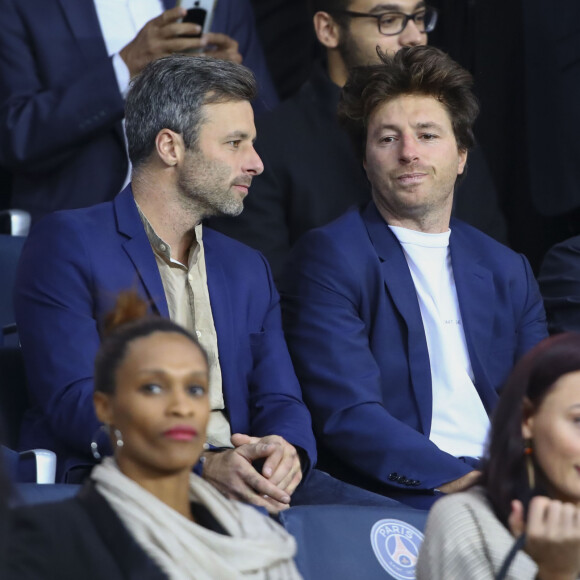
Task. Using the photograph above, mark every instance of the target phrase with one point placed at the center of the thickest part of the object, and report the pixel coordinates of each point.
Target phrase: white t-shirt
(459, 422)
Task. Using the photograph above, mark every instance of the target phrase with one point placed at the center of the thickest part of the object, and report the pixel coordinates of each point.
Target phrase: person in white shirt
(402, 323)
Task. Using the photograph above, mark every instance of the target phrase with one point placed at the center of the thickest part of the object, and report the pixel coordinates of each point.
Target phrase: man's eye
(388, 139)
(419, 17)
(428, 136)
(388, 19)
(234, 144)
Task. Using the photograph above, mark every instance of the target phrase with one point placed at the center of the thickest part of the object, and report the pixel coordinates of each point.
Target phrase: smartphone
(199, 12)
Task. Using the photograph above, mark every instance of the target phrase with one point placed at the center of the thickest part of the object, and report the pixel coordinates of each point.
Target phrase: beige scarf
(257, 547)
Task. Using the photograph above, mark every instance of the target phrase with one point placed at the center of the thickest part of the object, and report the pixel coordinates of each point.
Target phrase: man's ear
(326, 29)
(170, 147)
(103, 408)
(462, 161)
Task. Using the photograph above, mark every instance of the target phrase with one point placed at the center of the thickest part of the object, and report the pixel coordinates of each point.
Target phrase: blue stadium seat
(35, 493)
(344, 542)
(10, 250)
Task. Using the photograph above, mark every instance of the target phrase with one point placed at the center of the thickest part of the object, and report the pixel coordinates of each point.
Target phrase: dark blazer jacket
(559, 281)
(356, 335)
(74, 264)
(60, 105)
(552, 93)
(312, 176)
(78, 538)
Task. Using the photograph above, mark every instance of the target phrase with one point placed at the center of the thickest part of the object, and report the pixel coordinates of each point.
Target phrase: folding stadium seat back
(351, 542)
(13, 395)
(10, 250)
(36, 493)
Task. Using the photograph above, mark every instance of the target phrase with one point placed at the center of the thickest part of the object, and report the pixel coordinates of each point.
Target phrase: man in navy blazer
(61, 104)
(402, 324)
(192, 156)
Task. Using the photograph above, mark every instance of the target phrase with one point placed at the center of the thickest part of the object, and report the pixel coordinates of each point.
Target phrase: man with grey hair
(190, 130)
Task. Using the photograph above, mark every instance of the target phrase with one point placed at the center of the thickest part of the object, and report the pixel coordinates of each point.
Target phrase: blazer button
(394, 476)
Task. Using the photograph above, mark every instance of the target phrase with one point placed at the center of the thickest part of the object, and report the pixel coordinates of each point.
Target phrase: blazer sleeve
(532, 326)
(44, 113)
(559, 280)
(276, 404)
(340, 377)
(55, 314)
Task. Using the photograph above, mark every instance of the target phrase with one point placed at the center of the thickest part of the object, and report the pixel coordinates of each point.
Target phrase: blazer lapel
(139, 249)
(476, 296)
(223, 316)
(83, 21)
(400, 286)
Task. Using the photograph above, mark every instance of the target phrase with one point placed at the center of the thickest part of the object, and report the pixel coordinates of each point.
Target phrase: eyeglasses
(392, 23)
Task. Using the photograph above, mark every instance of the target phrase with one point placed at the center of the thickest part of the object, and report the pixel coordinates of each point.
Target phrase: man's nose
(253, 165)
(411, 36)
(408, 151)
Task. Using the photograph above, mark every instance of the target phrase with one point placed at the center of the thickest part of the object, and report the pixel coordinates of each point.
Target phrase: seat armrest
(44, 463)
(15, 222)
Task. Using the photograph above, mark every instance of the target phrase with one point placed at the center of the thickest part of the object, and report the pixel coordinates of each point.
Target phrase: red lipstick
(181, 433)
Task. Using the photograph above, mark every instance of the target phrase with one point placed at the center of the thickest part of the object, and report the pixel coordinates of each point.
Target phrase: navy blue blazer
(60, 106)
(559, 280)
(356, 336)
(74, 264)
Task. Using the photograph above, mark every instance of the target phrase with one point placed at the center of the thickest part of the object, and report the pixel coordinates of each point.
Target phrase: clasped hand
(233, 471)
(552, 536)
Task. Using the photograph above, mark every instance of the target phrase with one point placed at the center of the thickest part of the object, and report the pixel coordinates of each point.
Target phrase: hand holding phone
(168, 34)
(199, 12)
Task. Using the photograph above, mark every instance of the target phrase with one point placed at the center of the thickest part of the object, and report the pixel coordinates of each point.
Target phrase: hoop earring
(528, 452)
(95, 443)
(118, 438)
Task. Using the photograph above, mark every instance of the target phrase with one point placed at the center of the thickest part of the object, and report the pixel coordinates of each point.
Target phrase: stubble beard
(205, 188)
(350, 53)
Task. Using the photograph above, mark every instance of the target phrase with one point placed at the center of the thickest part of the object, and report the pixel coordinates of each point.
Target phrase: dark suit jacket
(60, 105)
(78, 538)
(559, 280)
(312, 176)
(552, 88)
(356, 335)
(74, 264)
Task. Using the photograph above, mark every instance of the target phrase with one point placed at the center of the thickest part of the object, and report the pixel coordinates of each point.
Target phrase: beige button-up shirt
(189, 305)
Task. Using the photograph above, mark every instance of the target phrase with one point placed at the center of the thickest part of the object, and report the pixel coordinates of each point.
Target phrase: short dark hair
(129, 321)
(504, 474)
(169, 94)
(334, 8)
(413, 70)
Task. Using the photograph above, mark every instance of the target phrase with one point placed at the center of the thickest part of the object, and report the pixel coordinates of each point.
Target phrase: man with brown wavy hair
(402, 322)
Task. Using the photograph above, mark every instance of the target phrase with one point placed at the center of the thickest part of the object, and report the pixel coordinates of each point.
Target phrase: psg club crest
(396, 546)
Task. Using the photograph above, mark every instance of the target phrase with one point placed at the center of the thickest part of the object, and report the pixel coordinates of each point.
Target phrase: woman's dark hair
(413, 70)
(504, 474)
(128, 321)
